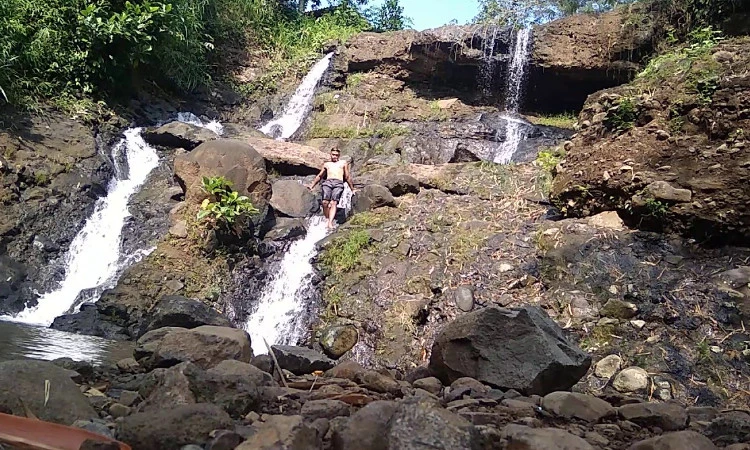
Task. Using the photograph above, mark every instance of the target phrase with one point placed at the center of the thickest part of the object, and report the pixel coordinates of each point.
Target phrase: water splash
(279, 316)
(192, 119)
(94, 260)
(515, 129)
(300, 103)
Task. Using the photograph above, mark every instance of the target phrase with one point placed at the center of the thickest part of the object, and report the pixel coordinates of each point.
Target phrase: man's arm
(348, 176)
(317, 178)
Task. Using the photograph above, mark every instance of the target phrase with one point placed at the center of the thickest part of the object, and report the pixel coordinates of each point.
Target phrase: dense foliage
(224, 207)
(77, 48)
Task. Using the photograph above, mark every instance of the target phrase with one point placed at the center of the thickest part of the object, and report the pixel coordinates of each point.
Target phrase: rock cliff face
(570, 58)
(670, 150)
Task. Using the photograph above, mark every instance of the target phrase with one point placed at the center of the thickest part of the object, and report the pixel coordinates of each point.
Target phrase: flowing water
(515, 129)
(192, 119)
(487, 70)
(280, 315)
(93, 261)
(21, 341)
(300, 103)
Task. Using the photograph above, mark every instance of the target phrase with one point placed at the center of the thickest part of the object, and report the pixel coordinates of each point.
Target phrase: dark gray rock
(679, 440)
(97, 426)
(179, 311)
(371, 197)
(286, 228)
(301, 360)
(224, 440)
(730, 428)
(578, 406)
(401, 184)
(178, 135)
(187, 384)
(429, 384)
(206, 346)
(170, 429)
(523, 437)
(246, 371)
(367, 428)
(420, 424)
(667, 416)
(324, 409)
(520, 349)
(283, 433)
(291, 198)
(22, 387)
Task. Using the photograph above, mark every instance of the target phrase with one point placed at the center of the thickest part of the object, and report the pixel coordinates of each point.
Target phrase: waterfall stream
(300, 103)
(94, 259)
(279, 317)
(515, 129)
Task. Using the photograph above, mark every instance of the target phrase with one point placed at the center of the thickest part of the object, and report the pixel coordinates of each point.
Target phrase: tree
(520, 13)
(388, 17)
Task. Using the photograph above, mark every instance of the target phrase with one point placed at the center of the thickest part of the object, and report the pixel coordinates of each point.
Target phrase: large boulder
(205, 346)
(237, 161)
(179, 311)
(291, 198)
(371, 197)
(401, 184)
(22, 389)
(412, 424)
(186, 383)
(178, 135)
(289, 158)
(170, 429)
(521, 349)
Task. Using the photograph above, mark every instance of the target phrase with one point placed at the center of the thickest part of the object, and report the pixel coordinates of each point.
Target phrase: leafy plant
(622, 118)
(563, 120)
(656, 208)
(224, 206)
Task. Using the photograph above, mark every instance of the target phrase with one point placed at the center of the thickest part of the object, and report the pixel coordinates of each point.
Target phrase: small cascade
(487, 70)
(192, 119)
(300, 104)
(94, 260)
(280, 315)
(515, 129)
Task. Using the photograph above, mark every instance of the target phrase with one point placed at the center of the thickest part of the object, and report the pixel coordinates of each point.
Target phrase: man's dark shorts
(332, 190)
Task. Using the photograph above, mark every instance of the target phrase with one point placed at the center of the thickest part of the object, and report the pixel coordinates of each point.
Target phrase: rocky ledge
(570, 58)
(202, 388)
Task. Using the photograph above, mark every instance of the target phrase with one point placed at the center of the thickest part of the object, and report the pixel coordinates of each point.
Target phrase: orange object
(31, 434)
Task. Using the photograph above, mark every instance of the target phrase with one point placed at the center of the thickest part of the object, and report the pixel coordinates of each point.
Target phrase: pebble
(631, 379)
(637, 323)
(464, 297)
(608, 366)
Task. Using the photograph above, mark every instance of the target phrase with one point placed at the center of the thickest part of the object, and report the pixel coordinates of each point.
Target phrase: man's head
(335, 154)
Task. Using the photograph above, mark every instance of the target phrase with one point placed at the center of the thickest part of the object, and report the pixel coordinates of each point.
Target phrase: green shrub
(561, 120)
(224, 206)
(623, 118)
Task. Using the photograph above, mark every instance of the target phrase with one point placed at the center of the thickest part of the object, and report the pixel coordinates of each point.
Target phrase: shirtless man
(336, 172)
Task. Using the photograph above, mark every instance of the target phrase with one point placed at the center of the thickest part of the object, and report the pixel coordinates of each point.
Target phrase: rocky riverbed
(201, 387)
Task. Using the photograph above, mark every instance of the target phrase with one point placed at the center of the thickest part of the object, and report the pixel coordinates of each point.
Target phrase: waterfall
(94, 260)
(515, 129)
(487, 70)
(300, 103)
(279, 317)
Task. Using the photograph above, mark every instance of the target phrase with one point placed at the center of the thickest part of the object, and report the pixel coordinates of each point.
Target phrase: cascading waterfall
(515, 129)
(487, 70)
(94, 260)
(300, 103)
(279, 317)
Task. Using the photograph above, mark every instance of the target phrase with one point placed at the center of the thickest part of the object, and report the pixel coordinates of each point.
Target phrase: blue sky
(433, 13)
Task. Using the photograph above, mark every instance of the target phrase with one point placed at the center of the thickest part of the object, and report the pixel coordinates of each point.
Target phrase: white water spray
(300, 103)
(192, 119)
(515, 130)
(94, 259)
(278, 318)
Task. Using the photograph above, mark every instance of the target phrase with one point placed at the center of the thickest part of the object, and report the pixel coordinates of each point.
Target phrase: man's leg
(331, 213)
(325, 208)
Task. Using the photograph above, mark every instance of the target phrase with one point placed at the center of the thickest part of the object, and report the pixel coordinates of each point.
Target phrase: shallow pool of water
(21, 341)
